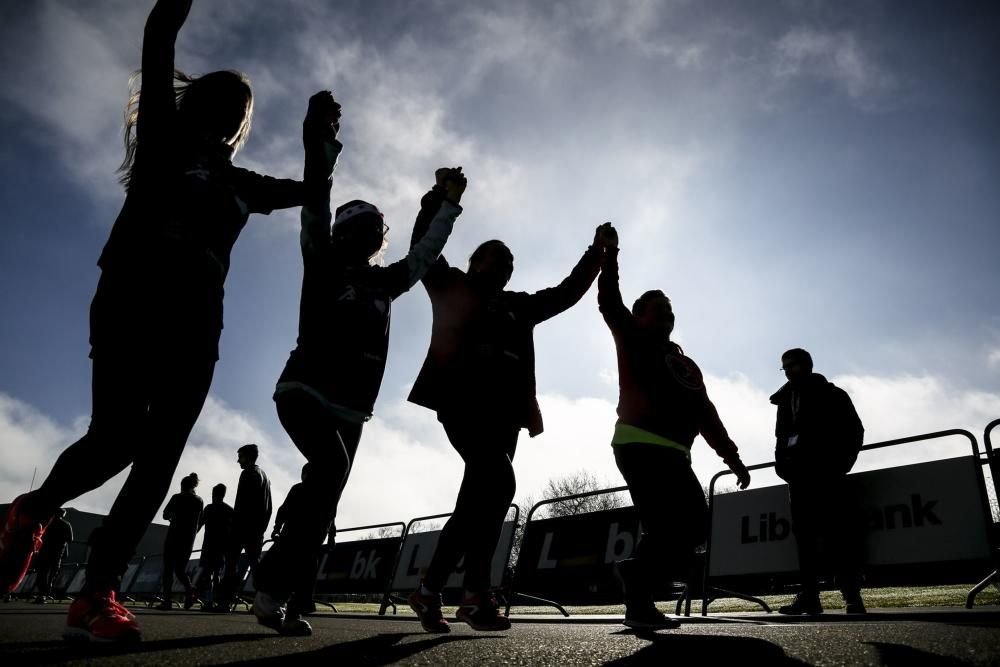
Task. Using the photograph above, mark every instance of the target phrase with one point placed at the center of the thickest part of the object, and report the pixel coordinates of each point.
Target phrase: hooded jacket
(818, 432)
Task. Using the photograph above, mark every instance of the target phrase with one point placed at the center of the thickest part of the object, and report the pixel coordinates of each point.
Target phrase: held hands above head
(742, 474)
(453, 181)
(323, 117)
(606, 236)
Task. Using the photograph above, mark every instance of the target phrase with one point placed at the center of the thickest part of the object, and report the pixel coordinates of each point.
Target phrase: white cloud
(838, 57)
(405, 466)
(993, 358)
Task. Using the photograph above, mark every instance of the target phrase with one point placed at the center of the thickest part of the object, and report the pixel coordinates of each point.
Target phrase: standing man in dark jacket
(252, 513)
(819, 435)
(183, 511)
(48, 560)
(218, 521)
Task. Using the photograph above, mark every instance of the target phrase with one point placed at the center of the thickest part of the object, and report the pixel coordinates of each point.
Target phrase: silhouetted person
(332, 378)
(479, 376)
(218, 521)
(819, 435)
(251, 514)
(48, 560)
(183, 511)
(157, 315)
(662, 406)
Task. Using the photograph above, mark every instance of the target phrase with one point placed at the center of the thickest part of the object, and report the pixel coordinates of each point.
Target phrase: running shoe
(428, 610)
(268, 611)
(20, 539)
(99, 618)
(803, 604)
(295, 626)
(648, 617)
(481, 612)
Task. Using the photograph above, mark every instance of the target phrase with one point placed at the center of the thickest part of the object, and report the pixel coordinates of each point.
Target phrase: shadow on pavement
(898, 654)
(59, 650)
(703, 650)
(381, 649)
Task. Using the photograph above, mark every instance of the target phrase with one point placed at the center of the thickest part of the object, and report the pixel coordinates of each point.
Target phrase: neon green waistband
(626, 434)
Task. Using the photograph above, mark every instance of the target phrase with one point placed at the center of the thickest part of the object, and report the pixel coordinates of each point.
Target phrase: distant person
(157, 315)
(662, 406)
(479, 376)
(328, 387)
(251, 514)
(218, 521)
(183, 511)
(819, 435)
(48, 560)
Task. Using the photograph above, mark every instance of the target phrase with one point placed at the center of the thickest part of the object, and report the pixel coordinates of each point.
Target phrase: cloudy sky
(800, 173)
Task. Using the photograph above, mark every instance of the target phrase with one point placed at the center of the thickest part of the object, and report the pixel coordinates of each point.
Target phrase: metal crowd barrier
(388, 600)
(991, 459)
(711, 594)
(373, 526)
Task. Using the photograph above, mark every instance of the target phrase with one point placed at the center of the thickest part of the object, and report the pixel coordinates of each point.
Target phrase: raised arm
(551, 301)
(609, 294)
(319, 139)
(156, 101)
(430, 206)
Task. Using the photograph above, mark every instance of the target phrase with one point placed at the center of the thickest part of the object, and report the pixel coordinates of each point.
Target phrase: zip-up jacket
(817, 432)
(344, 312)
(166, 260)
(481, 359)
(183, 511)
(661, 390)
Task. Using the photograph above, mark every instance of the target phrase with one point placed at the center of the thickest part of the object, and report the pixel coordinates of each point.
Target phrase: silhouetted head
(190, 482)
(246, 455)
(306, 471)
(213, 110)
(218, 492)
(359, 233)
(797, 364)
(653, 311)
(492, 264)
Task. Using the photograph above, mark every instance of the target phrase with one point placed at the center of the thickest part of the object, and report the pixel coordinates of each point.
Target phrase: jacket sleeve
(316, 217)
(549, 302)
(851, 434)
(157, 106)
(609, 294)
(263, 194)
(715, 434)
(430, 205)
(400, 276)
(170, 510)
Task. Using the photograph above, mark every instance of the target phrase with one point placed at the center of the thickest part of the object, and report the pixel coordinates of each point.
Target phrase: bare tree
(576, 483)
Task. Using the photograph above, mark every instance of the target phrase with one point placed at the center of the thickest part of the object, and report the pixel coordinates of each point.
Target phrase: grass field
(875, 598)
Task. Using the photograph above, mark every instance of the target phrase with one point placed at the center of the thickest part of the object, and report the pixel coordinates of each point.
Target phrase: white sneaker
(268, 611)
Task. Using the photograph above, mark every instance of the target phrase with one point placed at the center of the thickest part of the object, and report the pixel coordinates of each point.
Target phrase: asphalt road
(31, 635)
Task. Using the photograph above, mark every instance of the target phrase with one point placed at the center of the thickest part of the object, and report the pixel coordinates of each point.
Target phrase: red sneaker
(20, 539)
(99, 618)
(481, 612)
(428, 610)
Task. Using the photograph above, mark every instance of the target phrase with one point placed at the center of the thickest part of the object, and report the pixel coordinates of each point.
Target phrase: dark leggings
(487, 490)
(144, 407)
(329, 443)
(671, 506)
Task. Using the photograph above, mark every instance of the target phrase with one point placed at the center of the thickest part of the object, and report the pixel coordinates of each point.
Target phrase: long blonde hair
(221, 86)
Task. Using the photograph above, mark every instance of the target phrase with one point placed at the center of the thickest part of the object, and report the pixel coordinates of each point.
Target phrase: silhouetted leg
(177, 393)
(485, 494)
(805, 506)
(119, 405)
(330, 444)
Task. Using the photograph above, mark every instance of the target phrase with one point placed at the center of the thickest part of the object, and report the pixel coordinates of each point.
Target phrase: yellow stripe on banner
(627, 434)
